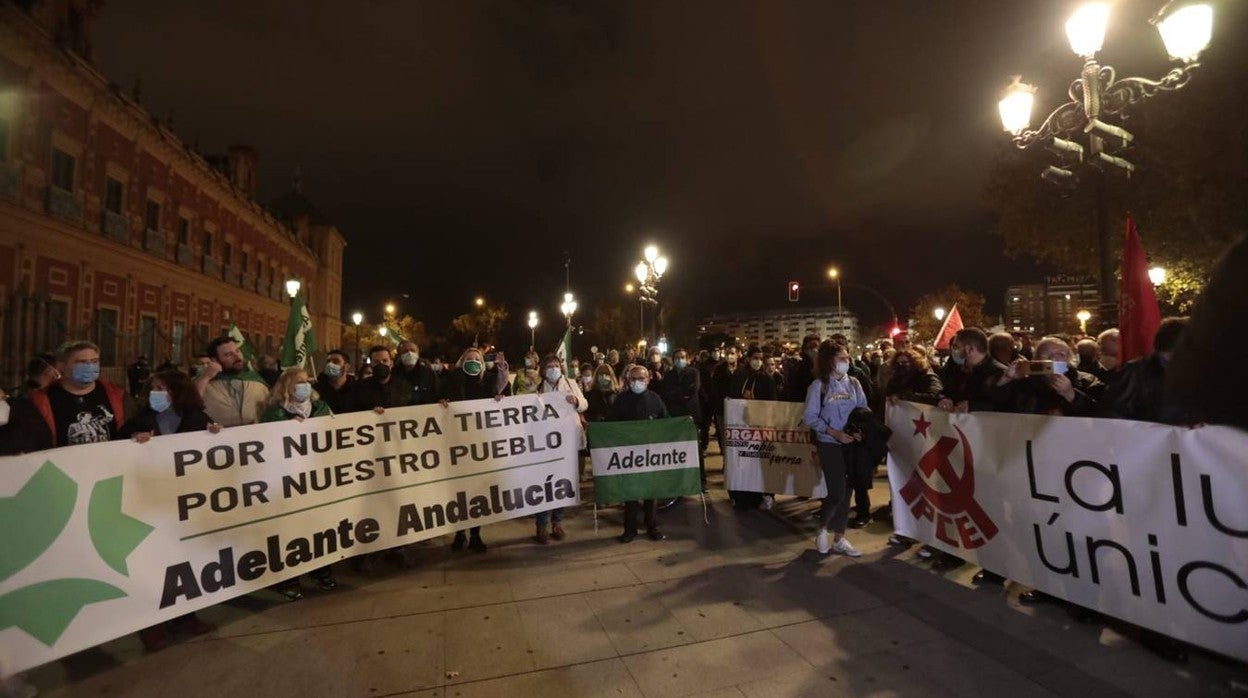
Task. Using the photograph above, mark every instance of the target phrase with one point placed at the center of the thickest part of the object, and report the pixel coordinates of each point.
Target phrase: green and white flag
(644, 459)
(564, 350)
(300, 341)
(237, 335)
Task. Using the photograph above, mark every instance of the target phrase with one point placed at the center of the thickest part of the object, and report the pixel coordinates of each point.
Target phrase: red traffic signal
(794, 288)
(894, 331)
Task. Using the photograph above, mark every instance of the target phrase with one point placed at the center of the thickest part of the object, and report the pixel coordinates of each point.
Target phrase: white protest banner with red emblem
(1142, 522)
(767, 448)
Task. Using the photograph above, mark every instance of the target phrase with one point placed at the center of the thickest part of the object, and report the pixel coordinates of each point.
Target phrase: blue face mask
(84, 373)
(958, 358)
(333, 370)
(638, 387)
(681, 363)
(303, 391)
(159, 400)
(1060, 367)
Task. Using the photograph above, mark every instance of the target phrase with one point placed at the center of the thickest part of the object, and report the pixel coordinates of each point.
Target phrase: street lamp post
(1157, 275)
(940, 314)
(357, 317)
(532, 329)
(568, 307)
(1097, 94)
(648, 272)
(383, 331)
(1083, 316)
(835, 275)
(292, 287)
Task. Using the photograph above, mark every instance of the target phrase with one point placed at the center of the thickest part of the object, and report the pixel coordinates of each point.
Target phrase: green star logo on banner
(39, 513)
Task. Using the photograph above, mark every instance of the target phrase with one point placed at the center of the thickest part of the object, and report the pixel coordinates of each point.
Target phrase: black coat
(1032, 395)
(915, 386)
(758, 384)
(1137, 392)
(862, 457)
(423, 380)
(371, 393)
(458, 385)
(681, 390)
(629, 406)
(976, 386)
(145, 421)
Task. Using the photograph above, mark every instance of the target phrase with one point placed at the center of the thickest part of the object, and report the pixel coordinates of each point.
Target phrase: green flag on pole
(564, 351)
(300, 341)
(237, 335)
(644, 459)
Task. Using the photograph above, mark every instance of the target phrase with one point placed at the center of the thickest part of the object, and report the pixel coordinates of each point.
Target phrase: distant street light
(629, 288)
(357, 317)
(940, 314)
(383, 331)
(1083, 316)
(1098, 94)
(532, 329)
(292, 287)
(835, 275)
(1157, 275)
(479, 301)
(390, 309)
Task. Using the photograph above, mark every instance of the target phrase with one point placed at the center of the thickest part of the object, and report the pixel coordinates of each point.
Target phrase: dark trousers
(860, 477)
(836, 504)
(633, 509)
(704, 438)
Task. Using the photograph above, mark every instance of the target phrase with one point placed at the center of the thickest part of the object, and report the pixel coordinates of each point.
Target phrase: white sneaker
(823, 542)
(843, 547)
(768, 502)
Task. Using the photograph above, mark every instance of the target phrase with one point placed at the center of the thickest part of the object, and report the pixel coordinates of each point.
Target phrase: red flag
(953, 323)
(1139, 316)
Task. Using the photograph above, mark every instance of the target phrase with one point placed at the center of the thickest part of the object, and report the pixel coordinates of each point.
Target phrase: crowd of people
(64, 401)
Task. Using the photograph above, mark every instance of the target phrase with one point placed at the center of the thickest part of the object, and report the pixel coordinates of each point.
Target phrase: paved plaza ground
(742, 606)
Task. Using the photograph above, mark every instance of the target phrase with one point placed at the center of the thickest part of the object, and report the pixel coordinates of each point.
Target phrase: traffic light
(794, 288)
(894, 331)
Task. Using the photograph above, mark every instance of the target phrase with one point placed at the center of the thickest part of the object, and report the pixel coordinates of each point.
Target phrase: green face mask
(472, 368)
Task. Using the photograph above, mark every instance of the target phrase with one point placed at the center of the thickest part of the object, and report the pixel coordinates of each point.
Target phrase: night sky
(462, 147)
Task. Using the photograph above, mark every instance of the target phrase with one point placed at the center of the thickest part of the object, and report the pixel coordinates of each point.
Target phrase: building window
(57, 327)
(207, 243)
(243, 262)
(62, 170)
(147, 337)
(113, 192)
(106, 335)
(153, 215)
(184, 230)
(227, 254)
(179, 336)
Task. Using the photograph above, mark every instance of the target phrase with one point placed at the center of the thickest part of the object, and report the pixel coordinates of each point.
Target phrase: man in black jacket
(335, 385)
(967, 380)
(681, 389)
(385, 388)
(639, 402)
(803, 373)
(418, 374)
(1136, 391)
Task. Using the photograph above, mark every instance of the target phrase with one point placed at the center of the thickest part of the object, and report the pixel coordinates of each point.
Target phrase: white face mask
(409, 358)
(1060, 367)
(437, 366)
(756, 364)
(553, 374)
(842, 368)
(637, 386)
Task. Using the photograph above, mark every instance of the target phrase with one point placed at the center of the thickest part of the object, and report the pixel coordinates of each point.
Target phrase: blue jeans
(546, 517)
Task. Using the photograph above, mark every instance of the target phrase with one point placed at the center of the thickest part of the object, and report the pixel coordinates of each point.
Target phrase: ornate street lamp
(1157, 275)
(1083, 316)
(292, 287)
(1097, 95)
(532, 328)
(940, 314)
(835, 275)
(648, 272)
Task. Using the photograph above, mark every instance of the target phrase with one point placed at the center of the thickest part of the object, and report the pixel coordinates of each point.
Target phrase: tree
(397, 330)
(612, 327)
(923, 322)
(1191, 154)
(481, 326)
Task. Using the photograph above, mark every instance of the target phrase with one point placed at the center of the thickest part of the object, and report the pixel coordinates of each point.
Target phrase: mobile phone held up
(1040, 368)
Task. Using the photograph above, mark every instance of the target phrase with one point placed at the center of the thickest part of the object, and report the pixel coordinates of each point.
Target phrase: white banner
(105, 539)
(767, 448)
(1140, 521)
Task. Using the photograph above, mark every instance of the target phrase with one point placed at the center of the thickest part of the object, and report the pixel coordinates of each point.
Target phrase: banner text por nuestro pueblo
(251, 453)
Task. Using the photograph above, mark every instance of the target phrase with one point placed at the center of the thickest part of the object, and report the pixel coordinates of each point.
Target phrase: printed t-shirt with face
(82, 419)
